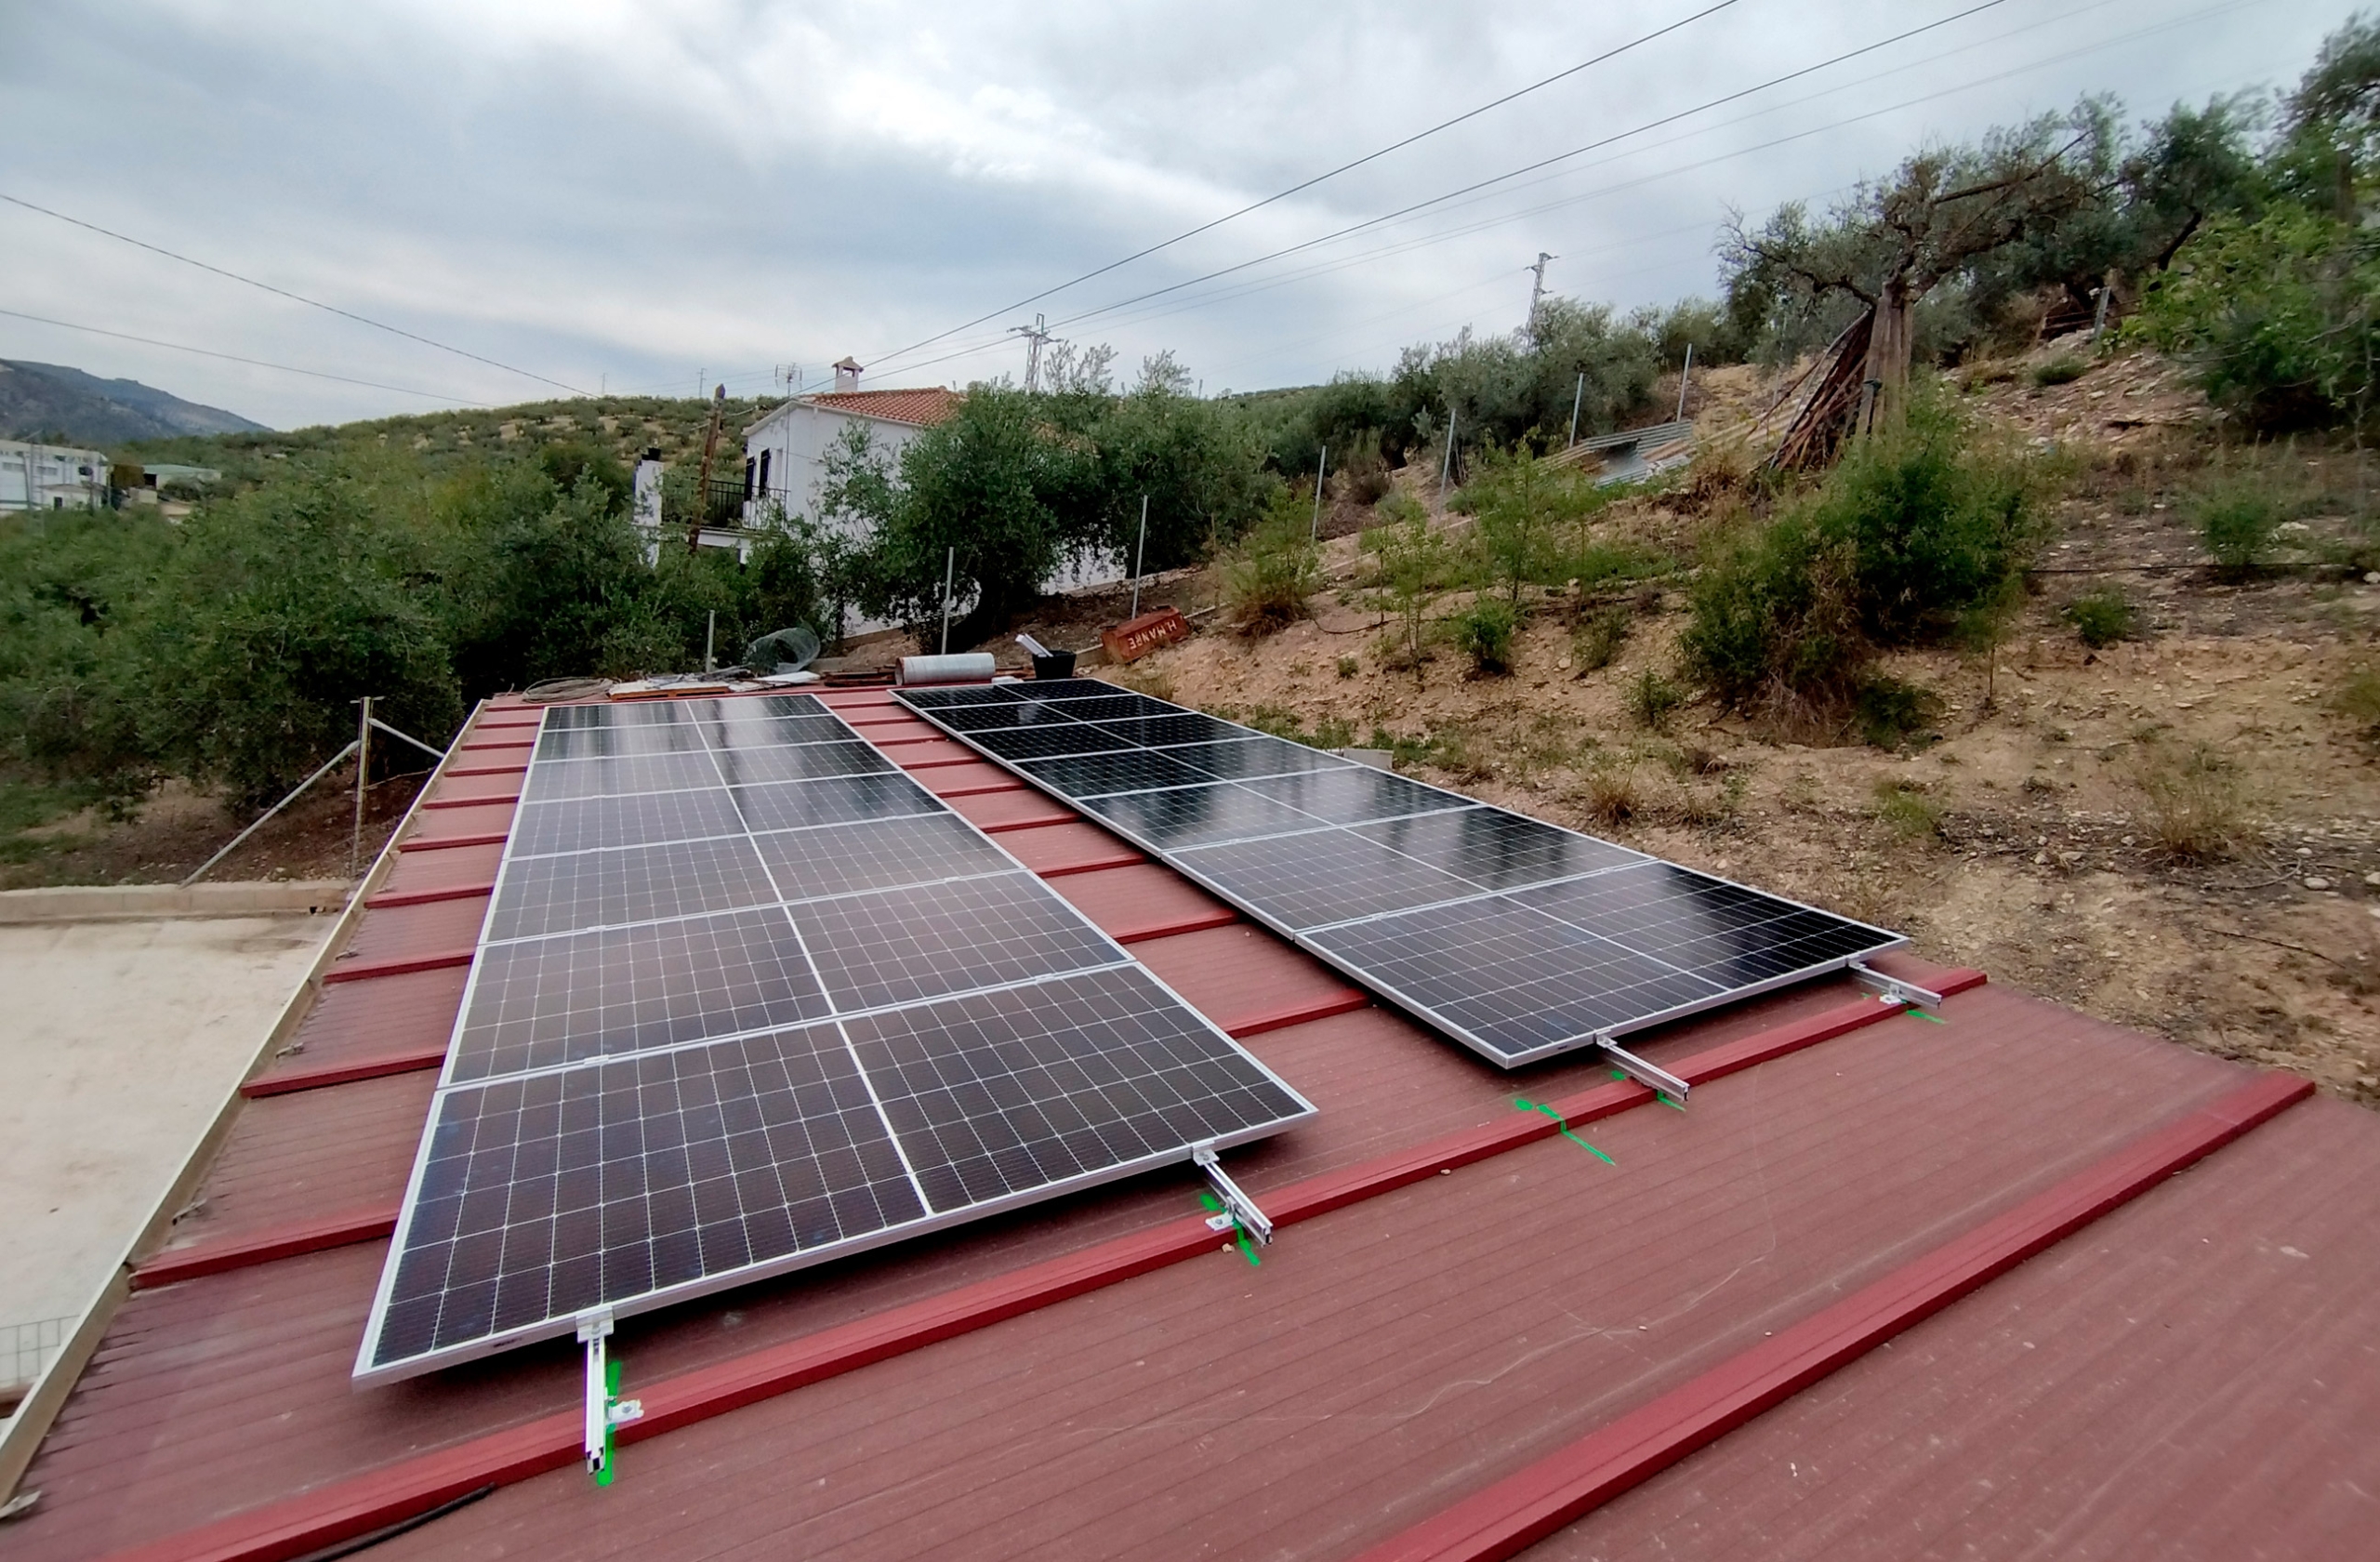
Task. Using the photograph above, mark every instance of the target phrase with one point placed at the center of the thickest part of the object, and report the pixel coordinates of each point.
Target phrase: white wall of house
(50, 476)
(793, 440)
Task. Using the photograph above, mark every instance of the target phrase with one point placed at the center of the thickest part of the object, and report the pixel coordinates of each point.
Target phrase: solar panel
(1516, 937)
(749, 997)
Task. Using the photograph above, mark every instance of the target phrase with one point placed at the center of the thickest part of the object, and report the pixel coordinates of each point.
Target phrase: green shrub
(1410, 561)
(1889, 712)
(2237, 518)
(1483, 632)
(1911, 813)
(1275, 571)
(1913, 533)
(2357, 699)
(2101, 617)
(1597, 640)
(2062, 370)
(1349, 667)
(1652, 698)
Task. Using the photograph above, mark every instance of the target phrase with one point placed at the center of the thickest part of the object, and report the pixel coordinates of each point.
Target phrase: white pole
(1139, 558)
(1446, 468)
(710, 640)
(1682, 376)
(1320, 471)
(949, 573)
(1576, 397)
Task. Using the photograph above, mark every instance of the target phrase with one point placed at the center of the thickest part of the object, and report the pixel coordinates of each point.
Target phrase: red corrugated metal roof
(1094, 1377)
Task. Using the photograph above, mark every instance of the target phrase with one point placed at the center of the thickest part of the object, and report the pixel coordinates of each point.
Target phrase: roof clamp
(1660, 1080)
(1238, 1208)
(605, 1409)
(1892, 989)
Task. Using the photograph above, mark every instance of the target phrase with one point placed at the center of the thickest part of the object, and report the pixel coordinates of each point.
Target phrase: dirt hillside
(2033, 834)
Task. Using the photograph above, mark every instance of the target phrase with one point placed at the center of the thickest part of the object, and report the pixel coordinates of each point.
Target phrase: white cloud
(637, 190)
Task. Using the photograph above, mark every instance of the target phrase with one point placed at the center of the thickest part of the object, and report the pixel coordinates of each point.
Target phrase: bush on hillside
(1913, 531)
(1276, 569)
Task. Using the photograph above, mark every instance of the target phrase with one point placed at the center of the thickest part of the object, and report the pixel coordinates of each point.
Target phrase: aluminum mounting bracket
(1658, 1080)
(1892, 989)
(1239, 1207)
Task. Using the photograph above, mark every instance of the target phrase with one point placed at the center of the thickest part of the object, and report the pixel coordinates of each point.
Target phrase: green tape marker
(1215, 1206)
(1524, 1104)
(1621, 1074)
(611, 1394)
(1922, 1014)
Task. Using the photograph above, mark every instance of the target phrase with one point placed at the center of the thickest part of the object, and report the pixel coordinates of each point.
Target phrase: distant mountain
(48, 401)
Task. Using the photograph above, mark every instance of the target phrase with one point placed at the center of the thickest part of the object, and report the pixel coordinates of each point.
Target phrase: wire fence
(25, 1349)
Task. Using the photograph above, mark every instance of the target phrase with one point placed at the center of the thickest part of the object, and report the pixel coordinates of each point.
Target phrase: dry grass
(1610, 792)
(2197, 803)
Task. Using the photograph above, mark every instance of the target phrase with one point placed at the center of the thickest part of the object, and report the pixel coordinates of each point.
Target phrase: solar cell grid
(1329, 876)
(994, 1092)
(1517, 937)
(1494, 849)
(637, 820)
(901, 946)
(539, 896)
(625, 1179)
(1002, 716)
(1131, 770)
(654, 1089)
(1042, 743)
(836, 800)
(875, 855)
(553, 779)
(542, 1003)
(1186, 816)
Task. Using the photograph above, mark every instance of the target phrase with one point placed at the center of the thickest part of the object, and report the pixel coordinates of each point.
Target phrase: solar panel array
(1517, 937)
(748, 997)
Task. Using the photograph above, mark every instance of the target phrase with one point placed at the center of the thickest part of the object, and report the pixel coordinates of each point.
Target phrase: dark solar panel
(542, 1003)
(1043, 743)
(1133, 770)
(998, 1092)
(1518, 938)
(638, 819)
(733, 1026)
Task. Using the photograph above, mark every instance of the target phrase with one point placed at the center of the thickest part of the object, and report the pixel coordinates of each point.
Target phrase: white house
(784, 454)
(783, 451)
(51, 477)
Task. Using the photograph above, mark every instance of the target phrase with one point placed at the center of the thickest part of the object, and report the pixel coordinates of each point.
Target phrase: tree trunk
(1889, 346)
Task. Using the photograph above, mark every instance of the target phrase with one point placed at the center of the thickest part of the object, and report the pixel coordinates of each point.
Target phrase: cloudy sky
(621, 195)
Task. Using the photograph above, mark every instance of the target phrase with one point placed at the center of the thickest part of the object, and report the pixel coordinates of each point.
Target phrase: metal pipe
(949, 573)
(1321, 473)
(362, 772)
(328, 765)
(1576, 397)
(1684, 375)
(1446, 468)
(1139, 558)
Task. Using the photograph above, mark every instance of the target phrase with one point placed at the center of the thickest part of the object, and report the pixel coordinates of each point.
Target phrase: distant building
(51, 477)
(783, 451)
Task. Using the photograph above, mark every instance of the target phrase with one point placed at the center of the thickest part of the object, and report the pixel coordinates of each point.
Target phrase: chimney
(847, 375)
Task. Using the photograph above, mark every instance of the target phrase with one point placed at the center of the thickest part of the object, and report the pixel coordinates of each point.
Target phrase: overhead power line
(1372, 156)
(235, 358)
(1540, 163)
(284, 293)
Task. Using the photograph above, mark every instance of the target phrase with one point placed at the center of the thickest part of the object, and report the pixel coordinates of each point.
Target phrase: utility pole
(1034, 334)
(701, 485)
(1537, 290)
